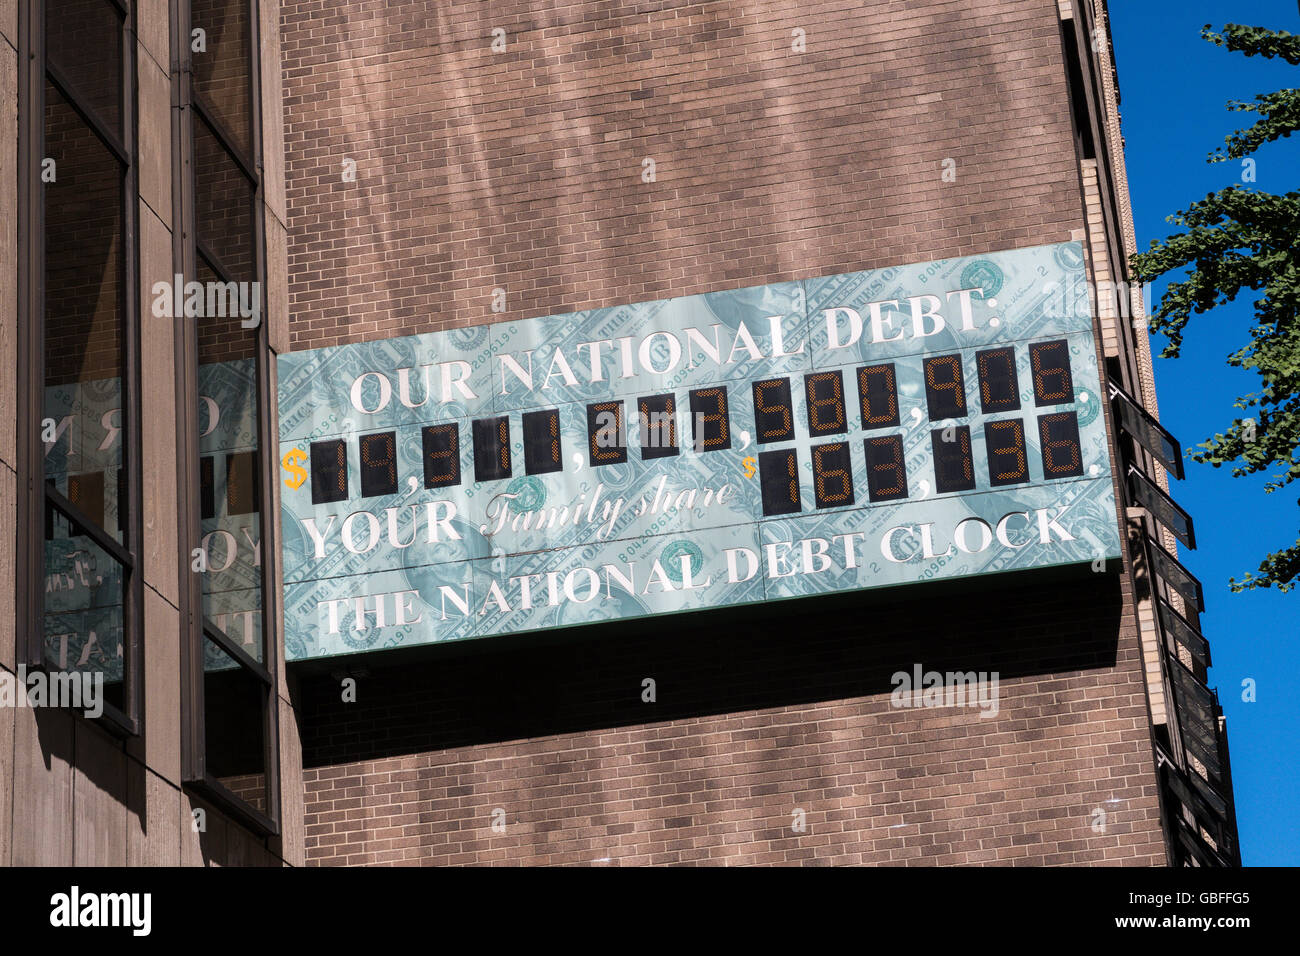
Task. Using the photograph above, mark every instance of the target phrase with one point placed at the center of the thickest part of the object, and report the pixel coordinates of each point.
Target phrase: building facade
(264, 264)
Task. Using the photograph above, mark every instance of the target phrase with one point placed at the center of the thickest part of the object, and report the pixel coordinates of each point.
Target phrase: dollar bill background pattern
(1027, 295)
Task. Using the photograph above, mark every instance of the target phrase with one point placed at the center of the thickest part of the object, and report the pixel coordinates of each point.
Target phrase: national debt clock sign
(876, 429)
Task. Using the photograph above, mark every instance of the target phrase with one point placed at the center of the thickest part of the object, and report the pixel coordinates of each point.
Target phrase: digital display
(658, 415)
(999, 388)
(606, 441)
(440, 446)
(709, 418)
(878, 396)
(207, 488)
(1058, 435)
(832, 475)
(1004, 443)
(86, 491)
(945, 388)
(886, 469)
(378, 464)
(954, 469)
(882, 434)
(1050, 364)
(241, 483)
(491, 438)
(779, 480)
(773, 411)
(329, 471)
(542, 442)
(826, 415)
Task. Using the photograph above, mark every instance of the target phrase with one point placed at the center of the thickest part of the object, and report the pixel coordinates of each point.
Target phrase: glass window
(231, 736)
(83, 45)
(221, 70)
(234, 730)
(83, 309)
(81, 599)
(228, 446)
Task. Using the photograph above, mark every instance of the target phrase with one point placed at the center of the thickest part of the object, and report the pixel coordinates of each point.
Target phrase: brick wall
(523, 169)
(753, 720)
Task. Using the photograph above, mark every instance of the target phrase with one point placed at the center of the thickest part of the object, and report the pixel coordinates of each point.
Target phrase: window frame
(188, 250)
(35, 497)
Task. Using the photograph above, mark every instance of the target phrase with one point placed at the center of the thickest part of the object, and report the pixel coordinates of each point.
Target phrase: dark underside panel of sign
(876, 429)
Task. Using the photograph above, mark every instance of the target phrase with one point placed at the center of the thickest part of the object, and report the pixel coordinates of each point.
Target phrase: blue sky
(1174, 86)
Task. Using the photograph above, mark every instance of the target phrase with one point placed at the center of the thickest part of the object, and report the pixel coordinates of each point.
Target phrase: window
(79, 586)
(229, 739)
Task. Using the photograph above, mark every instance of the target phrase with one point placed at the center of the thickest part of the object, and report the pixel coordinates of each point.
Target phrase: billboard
(874, 429)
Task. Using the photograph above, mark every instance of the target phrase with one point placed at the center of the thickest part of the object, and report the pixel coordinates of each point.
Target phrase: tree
(1241, 239)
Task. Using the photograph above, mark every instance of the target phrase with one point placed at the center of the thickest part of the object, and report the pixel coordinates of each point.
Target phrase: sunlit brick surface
(523, 170)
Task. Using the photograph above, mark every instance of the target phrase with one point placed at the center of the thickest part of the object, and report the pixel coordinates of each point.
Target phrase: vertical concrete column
(159, 746)
(291, 840)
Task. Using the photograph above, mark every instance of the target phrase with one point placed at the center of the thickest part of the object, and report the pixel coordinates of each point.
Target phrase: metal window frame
(1207, 806)
(35, 496)
(1129, 414)
(187, 108)
(1183, 633)
(1143, 491)
(1177, 579)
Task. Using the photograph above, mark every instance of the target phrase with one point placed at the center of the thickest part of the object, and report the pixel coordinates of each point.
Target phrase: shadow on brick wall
(790, 654)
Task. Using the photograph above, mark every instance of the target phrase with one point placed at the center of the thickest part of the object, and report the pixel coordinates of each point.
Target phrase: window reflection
(234, 704)
(84, 584)
(83, 42)
(221, 71)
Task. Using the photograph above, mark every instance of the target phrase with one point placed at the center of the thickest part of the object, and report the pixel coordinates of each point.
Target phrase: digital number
(878, 396)
(605, 437)
(378, 464)
(1005, 443)
(953, 468)
(658, 426)
(241, 483)
(542, 442)
(886, 471)
(207, 488)
(1058, 436)
(945, 388)
(999, 385)
(773, 410)
(1050, 364)
(329, 471)
(491, 437)
(441, 449)
(832, 475)
(711, 428)
(778, 477)
(825, 393)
